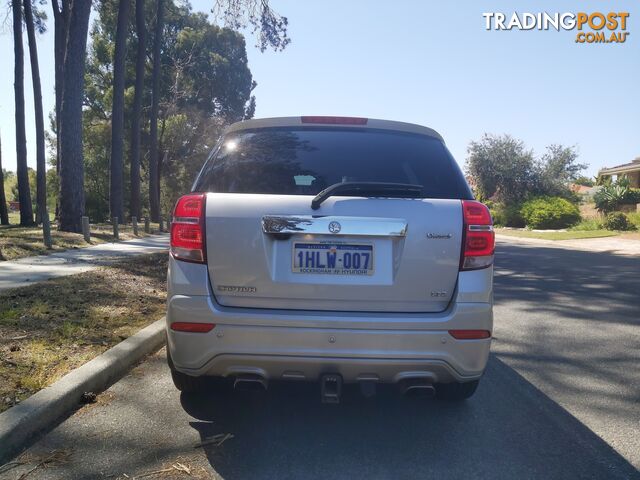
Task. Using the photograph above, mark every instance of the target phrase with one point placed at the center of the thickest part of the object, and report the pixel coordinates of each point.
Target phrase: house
(629, 170)
(581, 189)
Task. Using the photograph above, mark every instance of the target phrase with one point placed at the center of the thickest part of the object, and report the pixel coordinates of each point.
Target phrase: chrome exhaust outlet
(250, 382)
(419, 387)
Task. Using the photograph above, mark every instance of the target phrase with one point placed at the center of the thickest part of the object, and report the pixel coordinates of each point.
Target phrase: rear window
(304, 161)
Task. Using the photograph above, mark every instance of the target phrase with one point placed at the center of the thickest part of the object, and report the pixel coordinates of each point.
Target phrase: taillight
(187, 228)
(470, 334)
(335, 120)
(478, 238)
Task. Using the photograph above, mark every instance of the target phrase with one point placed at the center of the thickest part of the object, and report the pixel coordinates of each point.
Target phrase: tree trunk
(61, 10)
(24, 194)
(4, 215)
(41, 167)
(154, 184)
(136, 120)
(134, 206)
(162, 158)
(71, 155)
(116, 200)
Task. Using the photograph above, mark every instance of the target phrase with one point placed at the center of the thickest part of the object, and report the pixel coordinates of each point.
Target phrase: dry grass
(18, 242)
(181, 467)
(49, 328)
(29, 463)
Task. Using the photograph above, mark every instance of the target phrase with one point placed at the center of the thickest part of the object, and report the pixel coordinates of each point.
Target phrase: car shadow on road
(569, 320)
(577, 284)
(509, 429)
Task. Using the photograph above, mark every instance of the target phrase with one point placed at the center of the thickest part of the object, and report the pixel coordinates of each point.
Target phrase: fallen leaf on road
(216, 440)
(55, 457)
(8, 466)
(155, 472)
(176, 467)
(182, 468)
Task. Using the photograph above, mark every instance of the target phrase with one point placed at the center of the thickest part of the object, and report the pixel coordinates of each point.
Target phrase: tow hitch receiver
(331, 388)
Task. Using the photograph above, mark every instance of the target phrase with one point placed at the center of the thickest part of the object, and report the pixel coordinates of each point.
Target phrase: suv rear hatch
(267, 247)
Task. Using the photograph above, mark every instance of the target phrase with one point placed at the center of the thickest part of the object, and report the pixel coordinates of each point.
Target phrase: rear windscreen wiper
(390, 189)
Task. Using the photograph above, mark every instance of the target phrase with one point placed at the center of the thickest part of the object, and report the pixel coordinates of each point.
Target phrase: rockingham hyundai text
(330, 249)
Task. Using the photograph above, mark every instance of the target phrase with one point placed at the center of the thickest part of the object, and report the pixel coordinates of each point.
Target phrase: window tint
(304, 161)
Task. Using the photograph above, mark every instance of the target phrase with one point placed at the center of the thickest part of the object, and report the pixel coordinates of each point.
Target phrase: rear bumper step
(237, 345)
(351, 370)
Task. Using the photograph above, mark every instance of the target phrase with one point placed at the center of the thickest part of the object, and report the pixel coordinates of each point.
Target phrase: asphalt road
(560, 399)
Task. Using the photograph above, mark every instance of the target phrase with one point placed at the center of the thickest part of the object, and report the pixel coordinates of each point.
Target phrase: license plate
(333, 259)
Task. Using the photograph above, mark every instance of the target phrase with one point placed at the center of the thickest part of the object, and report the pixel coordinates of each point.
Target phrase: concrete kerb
(20, 425)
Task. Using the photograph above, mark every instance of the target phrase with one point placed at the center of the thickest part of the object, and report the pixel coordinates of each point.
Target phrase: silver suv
(330, 249)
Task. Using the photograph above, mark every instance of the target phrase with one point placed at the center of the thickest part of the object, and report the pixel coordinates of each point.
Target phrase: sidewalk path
(29, 270)
(613, 245)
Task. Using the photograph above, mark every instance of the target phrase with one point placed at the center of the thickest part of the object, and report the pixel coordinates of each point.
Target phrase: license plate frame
(346, 247)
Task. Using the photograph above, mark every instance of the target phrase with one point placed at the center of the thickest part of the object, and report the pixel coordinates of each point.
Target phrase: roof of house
(574, 187)
(625, 167)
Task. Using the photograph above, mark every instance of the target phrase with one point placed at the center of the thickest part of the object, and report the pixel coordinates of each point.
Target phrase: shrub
(634, 218)
(549, 213)
(611, 197)
(489, 203)
(507, 215)
(633, 196)
(618, 221)
(587, 225)
(584, 181)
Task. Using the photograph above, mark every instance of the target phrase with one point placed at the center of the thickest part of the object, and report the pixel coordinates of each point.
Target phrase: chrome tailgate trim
(334, 225)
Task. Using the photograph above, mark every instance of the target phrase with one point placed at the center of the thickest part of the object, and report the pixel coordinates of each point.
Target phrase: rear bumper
(304, 345)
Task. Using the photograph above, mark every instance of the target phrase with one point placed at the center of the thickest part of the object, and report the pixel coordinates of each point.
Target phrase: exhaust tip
(417, 387)
(250, 382)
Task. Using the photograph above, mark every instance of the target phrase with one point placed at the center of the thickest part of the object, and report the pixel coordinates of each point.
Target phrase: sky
(431, 63)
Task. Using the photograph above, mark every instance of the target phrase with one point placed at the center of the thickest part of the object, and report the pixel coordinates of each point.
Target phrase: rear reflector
(187, 228)
(478, 238)
(335, 120)
(192, 327)
(470, 334)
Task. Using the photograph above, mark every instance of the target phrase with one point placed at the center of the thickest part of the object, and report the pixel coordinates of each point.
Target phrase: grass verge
(557, 235)
(50, 328)
(18, 242)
